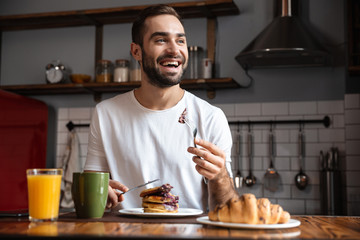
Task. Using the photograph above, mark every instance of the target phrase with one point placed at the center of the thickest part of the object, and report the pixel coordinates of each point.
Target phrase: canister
(121, 71)
(194, 67)
(104, 71)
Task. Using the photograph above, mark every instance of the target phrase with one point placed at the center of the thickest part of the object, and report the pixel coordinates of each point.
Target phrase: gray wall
(25, 53)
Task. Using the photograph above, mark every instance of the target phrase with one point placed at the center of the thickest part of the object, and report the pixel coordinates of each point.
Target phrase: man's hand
(210, 162)
(114, 196)
(210, 159)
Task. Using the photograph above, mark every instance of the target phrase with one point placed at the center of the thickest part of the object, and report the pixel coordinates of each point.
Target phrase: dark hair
(138, 27)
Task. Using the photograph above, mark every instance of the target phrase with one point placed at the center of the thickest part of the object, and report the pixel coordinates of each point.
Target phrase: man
(137, 136)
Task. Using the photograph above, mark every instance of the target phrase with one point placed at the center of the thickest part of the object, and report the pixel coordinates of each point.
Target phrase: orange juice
(44, 195)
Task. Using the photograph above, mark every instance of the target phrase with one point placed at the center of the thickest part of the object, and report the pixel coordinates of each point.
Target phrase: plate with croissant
(246, 211)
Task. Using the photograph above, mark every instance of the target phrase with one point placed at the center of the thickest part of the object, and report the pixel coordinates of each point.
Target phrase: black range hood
(285, 42)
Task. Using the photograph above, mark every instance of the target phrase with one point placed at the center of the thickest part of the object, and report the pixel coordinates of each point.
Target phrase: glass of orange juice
(44, 193)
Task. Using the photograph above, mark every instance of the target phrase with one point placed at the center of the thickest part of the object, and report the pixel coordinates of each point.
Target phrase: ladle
(271, 177)
(301, 179)
(238, 177)
(251, 179)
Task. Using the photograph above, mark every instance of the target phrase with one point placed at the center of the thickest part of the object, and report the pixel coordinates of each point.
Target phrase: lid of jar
(104, 61)
(121, 61)
(194, 48)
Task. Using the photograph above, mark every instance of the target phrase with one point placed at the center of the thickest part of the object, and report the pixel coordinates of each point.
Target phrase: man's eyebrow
(164, 34)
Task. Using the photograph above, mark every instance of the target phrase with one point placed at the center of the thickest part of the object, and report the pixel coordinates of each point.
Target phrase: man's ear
(136, 51)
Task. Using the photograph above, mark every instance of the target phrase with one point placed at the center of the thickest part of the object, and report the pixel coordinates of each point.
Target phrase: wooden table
(115, 226)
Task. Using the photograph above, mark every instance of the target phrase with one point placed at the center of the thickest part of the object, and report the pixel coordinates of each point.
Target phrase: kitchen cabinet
(210, 10)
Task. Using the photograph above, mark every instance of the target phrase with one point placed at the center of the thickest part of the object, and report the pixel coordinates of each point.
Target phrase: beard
(157, 78)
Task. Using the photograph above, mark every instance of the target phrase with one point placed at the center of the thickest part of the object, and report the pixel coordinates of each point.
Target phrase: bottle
(104, 71)
(195, 56)
(121, 71)
(135, 69)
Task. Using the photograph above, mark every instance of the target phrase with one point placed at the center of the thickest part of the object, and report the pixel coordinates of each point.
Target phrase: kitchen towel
(71, 162)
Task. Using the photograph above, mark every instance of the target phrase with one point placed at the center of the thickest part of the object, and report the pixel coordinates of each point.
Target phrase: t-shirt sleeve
(96, 157)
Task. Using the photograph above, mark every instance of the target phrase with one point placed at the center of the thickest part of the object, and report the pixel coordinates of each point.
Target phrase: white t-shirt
(136, 145)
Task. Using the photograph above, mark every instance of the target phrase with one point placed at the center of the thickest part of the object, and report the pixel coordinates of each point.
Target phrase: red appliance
(23, 136)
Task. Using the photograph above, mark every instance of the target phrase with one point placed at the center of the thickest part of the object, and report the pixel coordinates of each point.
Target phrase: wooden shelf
(95, 17)
(209, 9)
(210, 85)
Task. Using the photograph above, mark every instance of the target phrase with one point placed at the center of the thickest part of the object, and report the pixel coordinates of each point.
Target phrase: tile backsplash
(343, 133)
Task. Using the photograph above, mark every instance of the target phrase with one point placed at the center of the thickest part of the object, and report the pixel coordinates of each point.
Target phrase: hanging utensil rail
(70, 125)
(325, 121)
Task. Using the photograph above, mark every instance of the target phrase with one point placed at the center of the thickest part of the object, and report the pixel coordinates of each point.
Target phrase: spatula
(271, 177)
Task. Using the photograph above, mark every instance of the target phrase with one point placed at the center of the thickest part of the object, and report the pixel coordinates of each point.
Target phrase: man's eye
(161, 40)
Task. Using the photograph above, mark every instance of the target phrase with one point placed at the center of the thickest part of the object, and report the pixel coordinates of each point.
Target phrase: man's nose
(173, 48)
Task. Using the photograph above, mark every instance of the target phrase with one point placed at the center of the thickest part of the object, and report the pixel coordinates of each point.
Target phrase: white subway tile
(79, 113)
(281, 108)
(353, 147)
(310, 135)
(281, 136)
(286, 149)
(282, 163)
(282, 192)
(330, 107)
(353, 163)
(352, 132)
(248, 109)
(287, 177)
(352, 101)
(313, 207)
(61, 126)
(310, 192)
(353, 194)
(228, 109)
(293, 206)
(352, 179)
(63, 113)
(337, 121)
(352, 116)
(331, 135)
(62, 138)
(303, 108)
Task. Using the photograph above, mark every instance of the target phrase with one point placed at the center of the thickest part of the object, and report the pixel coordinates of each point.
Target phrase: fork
(192, 127)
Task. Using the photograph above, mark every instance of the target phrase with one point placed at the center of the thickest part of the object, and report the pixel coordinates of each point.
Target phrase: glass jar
(135, 69)
(104, 71)
(121, 71)
(194, 66)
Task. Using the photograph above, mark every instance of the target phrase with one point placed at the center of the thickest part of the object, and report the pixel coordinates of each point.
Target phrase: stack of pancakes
(159, 200)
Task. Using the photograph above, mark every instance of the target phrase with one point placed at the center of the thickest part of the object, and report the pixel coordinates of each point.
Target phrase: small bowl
(80, 78)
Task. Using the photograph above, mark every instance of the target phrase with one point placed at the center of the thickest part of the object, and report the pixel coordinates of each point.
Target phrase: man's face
(164, 52)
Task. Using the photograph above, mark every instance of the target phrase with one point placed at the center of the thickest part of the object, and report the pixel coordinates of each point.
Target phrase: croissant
(248, 209)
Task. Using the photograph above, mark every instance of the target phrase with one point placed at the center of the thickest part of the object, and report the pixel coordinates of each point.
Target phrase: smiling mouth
(172, 64)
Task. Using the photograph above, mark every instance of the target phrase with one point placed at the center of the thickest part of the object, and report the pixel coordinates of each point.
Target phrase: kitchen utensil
(192, 127)
(301, 179)
(142, 185)
(251, 179)
(238, 177)
(271, 177)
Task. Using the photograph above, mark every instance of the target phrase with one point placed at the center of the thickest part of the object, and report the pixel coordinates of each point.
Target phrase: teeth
(170, 63)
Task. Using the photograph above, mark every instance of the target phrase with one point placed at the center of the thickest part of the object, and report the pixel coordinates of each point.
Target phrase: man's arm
(210, 162)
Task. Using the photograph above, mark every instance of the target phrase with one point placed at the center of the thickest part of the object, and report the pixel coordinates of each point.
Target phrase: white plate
(181, 213)
(292, 223)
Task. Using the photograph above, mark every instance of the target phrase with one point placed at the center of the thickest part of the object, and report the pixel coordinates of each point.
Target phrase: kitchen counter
(128, 227)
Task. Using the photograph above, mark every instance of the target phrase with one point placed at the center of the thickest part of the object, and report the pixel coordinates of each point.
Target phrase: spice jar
(135, 69)
(104, 71)
(121, 71)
